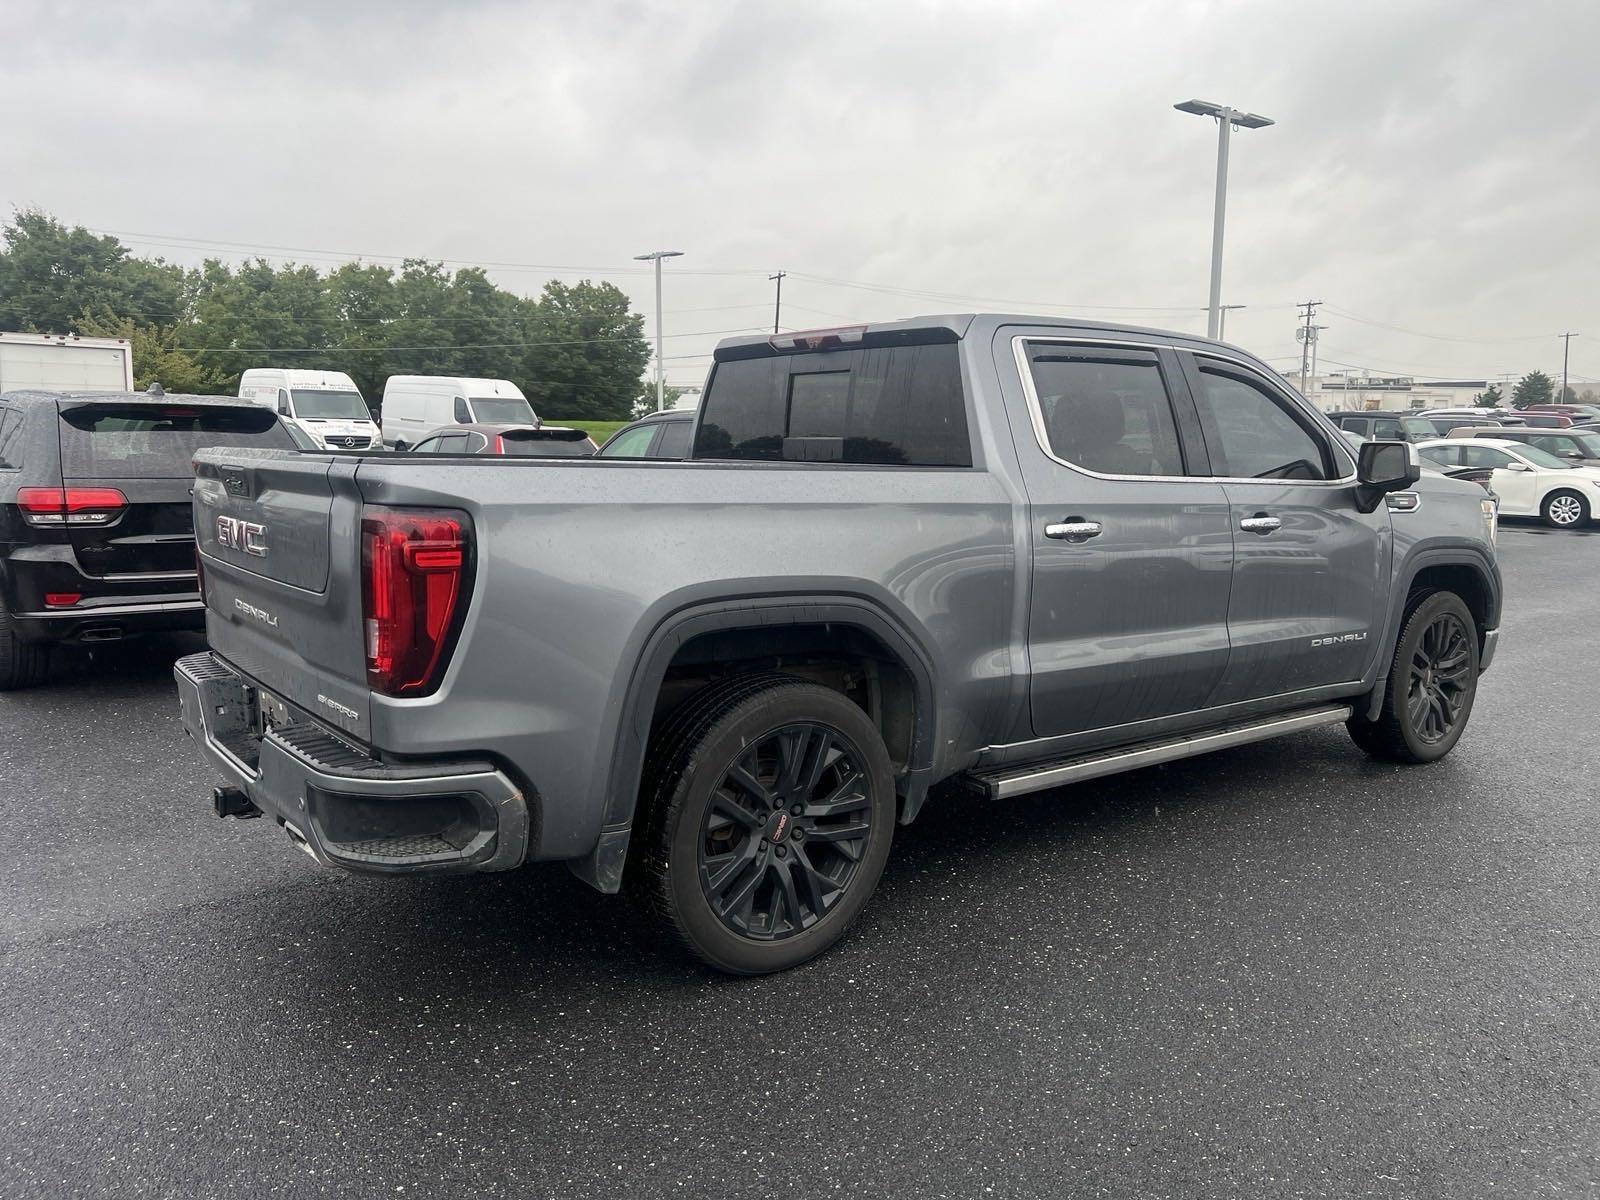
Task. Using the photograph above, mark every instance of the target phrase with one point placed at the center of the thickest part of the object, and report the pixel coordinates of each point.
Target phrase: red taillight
(415, 574)
(70, 506)
(818, 339)
(61, 599)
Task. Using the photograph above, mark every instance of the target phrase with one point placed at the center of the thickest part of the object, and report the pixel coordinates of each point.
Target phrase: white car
(1530, 482)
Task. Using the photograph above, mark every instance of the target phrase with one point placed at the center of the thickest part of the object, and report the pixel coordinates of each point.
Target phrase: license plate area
(271, 712)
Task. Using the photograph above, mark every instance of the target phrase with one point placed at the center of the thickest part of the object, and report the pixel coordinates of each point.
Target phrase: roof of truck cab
(979, 326)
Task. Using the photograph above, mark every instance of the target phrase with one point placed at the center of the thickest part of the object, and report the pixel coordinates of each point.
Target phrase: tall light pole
(661, 378)
(1566, 348)
(1226, 119)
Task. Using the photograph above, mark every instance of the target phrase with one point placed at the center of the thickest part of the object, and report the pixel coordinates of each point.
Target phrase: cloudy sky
(1433, 176)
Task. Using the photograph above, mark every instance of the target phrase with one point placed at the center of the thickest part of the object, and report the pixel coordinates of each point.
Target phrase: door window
(1486, 456)
(674, 440)
(463, 413)
(632, 443)
(1443, 456)
(1105, 409)
(1388, 429)
(1250, 433)
(10, 441)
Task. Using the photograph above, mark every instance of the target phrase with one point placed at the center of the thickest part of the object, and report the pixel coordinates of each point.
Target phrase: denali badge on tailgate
(249, 536)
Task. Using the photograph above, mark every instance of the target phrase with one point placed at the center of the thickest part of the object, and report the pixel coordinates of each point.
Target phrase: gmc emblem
(242, 535)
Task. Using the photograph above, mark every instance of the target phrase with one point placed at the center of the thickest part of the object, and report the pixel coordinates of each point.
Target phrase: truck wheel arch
(1465, 570)
(603, 867)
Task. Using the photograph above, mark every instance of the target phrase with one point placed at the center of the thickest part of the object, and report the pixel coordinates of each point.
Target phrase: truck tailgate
(278, 538)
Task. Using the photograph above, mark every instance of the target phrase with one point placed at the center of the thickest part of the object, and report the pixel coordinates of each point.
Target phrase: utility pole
(777, 306)
(1306, 335)
(661, 374)
(1222, 323)
(1316, 337)
(1566, 347)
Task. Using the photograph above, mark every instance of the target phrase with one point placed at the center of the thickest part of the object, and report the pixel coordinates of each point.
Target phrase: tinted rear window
(900, 405)
(148, 442)
(530, 444)
(674, 440)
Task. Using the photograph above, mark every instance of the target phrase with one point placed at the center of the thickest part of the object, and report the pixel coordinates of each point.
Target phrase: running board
(999, 783)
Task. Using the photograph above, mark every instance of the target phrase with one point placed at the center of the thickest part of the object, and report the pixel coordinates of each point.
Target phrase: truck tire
(1433, 679)
(769, 809)
(1565, 510)
(22, 663)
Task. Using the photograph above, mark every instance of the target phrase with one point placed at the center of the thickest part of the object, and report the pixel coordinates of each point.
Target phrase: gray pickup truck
(1011, 552)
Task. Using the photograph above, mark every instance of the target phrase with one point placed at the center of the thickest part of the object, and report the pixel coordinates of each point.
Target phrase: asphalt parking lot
(1280, 970)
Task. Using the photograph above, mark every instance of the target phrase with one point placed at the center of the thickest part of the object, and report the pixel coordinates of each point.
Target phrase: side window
(1486, 456)
(463, 413)
(1251, 433)
(283, 402)
(10, 438)
(1553, 445)
(674, 440)
(1443, 456)
(475, 444)
(1387, 429)
(634, 443)
(885, 406)
(1105, 409)
(427, 446)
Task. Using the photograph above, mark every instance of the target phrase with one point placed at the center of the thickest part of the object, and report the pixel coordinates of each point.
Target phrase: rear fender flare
(602, 868)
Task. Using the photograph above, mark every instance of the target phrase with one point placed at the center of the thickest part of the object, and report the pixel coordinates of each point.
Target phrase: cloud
(1433, 166)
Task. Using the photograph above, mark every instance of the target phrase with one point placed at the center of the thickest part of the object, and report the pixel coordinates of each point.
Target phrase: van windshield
(320, 405)
(503, 410)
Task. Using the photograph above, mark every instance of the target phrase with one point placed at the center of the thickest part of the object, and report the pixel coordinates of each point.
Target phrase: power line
(485, 346)
(1438, 337)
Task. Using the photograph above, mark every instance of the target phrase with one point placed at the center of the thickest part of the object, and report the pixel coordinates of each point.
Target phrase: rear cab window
(146, 441)
(882, 405)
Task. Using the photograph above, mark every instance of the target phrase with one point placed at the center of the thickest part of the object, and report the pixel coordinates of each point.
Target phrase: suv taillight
(416, 573)
(70, 506)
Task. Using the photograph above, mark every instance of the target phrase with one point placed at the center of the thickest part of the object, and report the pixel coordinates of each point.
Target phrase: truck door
(1131, 543)
(1310, 568)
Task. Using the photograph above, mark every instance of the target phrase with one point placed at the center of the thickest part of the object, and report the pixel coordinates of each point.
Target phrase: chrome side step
(1035, 777)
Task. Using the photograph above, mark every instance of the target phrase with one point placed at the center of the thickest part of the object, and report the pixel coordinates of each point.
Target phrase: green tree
(587, 353)
(1490, 397)
(1567, 396)
(52, 278)
(646, 403)
(1533, 388)
(158, 359)
(258, 315)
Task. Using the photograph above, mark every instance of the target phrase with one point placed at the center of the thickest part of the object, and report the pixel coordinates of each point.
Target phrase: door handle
(1260, 523)
(1074, 529)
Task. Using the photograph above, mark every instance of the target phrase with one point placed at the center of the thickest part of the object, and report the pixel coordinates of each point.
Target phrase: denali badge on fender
(249, 536)
(1335, 639)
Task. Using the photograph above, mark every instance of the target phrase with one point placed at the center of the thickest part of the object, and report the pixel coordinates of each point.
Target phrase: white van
(415, 405)
(325, 405)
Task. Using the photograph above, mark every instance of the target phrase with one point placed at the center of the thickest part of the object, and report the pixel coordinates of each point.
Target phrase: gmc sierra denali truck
(1012, 552)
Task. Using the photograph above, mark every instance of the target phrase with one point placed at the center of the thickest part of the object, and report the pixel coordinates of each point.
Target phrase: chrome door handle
(1075, 530)
(1260, 523)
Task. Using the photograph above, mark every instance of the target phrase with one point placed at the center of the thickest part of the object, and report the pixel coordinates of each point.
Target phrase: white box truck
(324, 405)
(64, 362)
(415, 405)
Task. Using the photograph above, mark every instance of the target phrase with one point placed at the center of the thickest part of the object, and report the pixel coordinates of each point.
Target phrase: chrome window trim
(1036, 411)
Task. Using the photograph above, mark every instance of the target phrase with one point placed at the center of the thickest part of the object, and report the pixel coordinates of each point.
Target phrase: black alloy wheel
(1442, 675)
(768, 811)
(785, 831)
(1430, 687)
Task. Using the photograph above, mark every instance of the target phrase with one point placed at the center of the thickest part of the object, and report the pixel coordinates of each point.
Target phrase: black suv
(96, 537)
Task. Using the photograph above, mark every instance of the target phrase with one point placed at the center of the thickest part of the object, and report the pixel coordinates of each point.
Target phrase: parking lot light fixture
(661, 379)
(1226, 119)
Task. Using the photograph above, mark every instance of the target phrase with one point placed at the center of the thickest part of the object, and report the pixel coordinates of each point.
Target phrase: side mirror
(1516, 466)
(1574, 453)
(1384, 467)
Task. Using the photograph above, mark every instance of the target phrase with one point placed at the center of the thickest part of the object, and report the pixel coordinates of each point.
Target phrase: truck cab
(326, 406)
